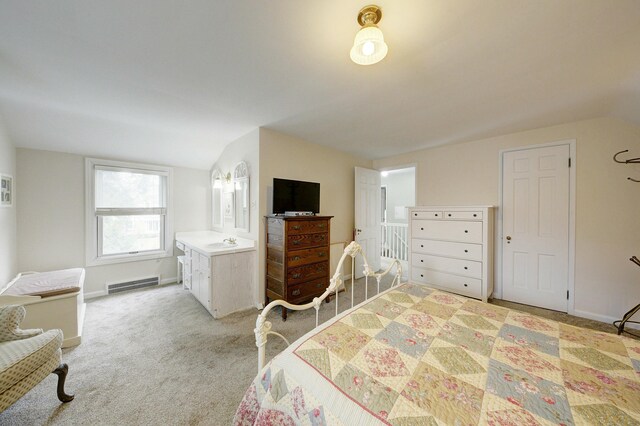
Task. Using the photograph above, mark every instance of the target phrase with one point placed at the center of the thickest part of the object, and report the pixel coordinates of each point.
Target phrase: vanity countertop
(212, 243)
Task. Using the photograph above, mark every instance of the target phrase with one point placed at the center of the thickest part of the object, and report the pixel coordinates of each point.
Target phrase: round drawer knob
(466, 251)
(436, 215)
(297, 292)
(449, 215)
(422, 276)
(466, 267)
(421, 260)
(475, 215)
(422, 229)
(466, 231)
(466, 285)
(421, 245)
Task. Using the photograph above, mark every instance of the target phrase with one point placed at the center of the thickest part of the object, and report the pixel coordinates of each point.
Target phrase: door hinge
(569, 161)
(567, 294)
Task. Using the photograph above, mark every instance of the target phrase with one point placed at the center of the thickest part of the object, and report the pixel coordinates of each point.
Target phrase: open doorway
(397, 194)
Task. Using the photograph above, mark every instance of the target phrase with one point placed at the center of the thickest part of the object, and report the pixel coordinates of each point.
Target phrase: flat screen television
(295, 196)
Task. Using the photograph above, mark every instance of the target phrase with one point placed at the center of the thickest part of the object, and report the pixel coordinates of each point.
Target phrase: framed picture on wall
(228, 208)
(6, 190)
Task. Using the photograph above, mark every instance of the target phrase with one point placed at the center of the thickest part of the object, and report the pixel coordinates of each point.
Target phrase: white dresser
(452, 248)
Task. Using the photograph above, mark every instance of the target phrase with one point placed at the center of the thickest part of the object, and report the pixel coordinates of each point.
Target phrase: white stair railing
(394, 238)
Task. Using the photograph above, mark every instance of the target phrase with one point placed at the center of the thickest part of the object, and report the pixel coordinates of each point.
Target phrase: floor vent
(132, 285)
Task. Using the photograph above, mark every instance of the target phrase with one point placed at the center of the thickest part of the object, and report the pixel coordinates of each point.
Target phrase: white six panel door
(535, 238)
(367, 217)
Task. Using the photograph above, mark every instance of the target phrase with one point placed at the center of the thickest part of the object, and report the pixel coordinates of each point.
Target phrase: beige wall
(287, 157)
(607, 204)
(8, 257)
(52, 215)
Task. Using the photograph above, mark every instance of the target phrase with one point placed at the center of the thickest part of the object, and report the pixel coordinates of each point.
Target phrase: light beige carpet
(155, 356)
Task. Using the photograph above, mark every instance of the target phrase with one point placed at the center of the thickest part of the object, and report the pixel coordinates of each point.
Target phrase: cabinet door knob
(296, 292)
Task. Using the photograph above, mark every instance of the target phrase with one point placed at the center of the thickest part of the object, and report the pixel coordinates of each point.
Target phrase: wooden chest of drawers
(297, 267)
(452, 249)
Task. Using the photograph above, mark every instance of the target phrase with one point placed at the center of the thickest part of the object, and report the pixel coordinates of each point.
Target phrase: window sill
(110, 260)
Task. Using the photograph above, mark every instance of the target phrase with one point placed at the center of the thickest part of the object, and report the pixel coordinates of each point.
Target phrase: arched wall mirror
(242, 200)
(217, 216)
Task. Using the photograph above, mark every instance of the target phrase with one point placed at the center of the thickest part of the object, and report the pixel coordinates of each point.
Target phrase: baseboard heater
(132, 285)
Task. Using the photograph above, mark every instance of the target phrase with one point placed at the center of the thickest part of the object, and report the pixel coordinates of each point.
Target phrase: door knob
(358, 230)
(508, 239)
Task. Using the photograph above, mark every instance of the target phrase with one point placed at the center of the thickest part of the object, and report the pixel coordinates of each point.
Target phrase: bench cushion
(47, 284)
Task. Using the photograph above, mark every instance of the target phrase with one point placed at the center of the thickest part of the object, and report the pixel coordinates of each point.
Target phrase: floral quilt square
(406, 339)
(414, 290)
(384, 307)
(432, 308)
(476, 322)
(486, 310)
(449, 399)
(539, 396)
(342, 339)
(530, 339)
(602, 341)
(467, 338)
(456, 361)
(373, 395)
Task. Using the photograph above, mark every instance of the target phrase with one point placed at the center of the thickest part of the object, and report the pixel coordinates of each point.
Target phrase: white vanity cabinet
(451, 248)
(220, 278)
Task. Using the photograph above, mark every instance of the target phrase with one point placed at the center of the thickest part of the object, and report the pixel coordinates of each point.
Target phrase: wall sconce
(369, 46)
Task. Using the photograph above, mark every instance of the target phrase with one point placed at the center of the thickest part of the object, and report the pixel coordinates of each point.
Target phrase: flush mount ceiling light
(369, 46)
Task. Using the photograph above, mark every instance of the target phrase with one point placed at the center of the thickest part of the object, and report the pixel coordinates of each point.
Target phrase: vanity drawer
(307, 290)
(427, 214)
(204, 261)
(447, 248)
(304, 257)
(468, 268)
(308, 272)
(307, 226)
(299, 241)
(463, 215)
(456, 284)
(449, 230)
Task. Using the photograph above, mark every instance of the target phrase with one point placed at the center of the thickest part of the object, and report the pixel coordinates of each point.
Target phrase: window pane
(125, 234)
(122, 189)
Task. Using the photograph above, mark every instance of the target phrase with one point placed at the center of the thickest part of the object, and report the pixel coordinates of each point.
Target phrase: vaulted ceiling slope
(173, 82)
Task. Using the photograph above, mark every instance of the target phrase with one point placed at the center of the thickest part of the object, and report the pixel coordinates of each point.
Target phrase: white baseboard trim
(173, 280)
(94, 294)
(603, 318)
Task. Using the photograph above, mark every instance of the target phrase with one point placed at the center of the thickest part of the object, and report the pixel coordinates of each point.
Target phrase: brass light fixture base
(369, 15)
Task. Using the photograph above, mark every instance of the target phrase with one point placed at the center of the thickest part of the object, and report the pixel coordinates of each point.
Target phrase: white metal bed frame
(263, 327)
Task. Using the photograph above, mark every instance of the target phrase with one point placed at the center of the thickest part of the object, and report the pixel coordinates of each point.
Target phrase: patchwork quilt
(418, 356)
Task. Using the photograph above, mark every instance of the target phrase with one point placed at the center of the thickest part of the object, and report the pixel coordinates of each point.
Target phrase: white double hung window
(127, 211)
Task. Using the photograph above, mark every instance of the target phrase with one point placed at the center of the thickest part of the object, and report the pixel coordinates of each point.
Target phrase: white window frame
(93, 237)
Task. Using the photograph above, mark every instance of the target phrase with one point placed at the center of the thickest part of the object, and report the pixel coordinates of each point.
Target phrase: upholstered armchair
(27, 357)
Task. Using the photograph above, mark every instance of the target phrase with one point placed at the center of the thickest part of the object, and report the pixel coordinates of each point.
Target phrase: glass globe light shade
(369, 46)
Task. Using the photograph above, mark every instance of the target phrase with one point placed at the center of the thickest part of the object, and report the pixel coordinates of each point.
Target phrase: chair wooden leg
(61, 372)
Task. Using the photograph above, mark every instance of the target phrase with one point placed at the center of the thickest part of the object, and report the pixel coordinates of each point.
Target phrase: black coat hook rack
(628, 161)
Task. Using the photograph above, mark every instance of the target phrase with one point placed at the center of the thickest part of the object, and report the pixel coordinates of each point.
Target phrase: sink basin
(220, 245)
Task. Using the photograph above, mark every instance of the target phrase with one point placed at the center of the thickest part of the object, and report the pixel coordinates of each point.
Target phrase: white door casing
(367, 217)
(535, 226)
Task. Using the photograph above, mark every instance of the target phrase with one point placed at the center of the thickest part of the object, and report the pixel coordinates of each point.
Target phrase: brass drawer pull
(295, 258)
(322, 254)
(322, 225)
(296, 276)
(296, 292)
(296, 227)
(296, 242)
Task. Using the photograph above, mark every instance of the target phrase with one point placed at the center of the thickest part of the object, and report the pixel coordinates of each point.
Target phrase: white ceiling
(173, 81)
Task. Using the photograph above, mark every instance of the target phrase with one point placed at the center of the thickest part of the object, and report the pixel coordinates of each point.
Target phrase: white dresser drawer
(463, 215)
(447, 248)
(468, 268)
(448, 230)
(456, 284)
(427, 214)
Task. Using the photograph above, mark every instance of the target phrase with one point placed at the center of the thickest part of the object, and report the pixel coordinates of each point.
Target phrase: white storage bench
(52, 299)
